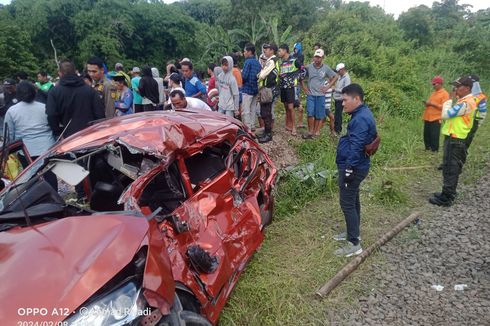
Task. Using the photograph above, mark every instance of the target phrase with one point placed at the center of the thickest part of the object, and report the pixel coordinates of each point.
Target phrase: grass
(296, 258)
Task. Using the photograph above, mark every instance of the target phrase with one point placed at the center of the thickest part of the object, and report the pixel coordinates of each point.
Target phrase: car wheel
(180, 317)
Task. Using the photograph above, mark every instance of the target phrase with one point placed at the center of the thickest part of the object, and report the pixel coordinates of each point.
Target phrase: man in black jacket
(72, 104)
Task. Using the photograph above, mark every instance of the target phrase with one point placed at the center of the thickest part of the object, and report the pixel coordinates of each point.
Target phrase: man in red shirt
(432, 114)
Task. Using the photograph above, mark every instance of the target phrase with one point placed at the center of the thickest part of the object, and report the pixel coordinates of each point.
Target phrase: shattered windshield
(91, 180)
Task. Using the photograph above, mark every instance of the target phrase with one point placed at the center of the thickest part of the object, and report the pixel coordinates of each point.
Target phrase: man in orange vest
(432, 114)
(458, 121)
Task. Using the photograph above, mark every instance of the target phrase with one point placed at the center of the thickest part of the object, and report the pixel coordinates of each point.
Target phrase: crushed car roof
(159, 133)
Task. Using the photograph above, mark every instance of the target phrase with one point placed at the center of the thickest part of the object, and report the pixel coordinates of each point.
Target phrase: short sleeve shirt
(317, 77)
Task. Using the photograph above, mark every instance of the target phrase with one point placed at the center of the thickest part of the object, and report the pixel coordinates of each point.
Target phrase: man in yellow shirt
(432, 114)
(458, 121)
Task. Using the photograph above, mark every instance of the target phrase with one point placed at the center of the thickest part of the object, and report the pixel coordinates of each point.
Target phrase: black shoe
(441, 200)
(265, 138)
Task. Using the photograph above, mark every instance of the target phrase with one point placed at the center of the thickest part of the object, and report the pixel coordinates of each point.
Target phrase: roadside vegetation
(278, 286)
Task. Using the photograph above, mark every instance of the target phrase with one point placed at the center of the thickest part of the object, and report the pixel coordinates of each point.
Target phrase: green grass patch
(296, 257)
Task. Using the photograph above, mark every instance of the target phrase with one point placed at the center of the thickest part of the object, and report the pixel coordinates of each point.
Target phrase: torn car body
(176, 206)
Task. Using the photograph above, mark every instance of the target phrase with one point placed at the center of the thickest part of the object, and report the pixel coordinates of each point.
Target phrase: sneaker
(342, 236)
(349, 250)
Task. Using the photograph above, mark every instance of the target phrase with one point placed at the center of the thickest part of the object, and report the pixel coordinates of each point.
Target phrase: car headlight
(119, 307)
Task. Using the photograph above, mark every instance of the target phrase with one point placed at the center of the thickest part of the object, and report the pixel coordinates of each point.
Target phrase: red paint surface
(62, 263)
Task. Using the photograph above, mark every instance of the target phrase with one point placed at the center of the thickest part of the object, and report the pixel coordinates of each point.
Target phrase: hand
(325, 89)
(306, 90)
(348, 176)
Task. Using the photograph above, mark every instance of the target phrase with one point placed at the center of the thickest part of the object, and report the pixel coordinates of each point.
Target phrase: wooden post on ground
(353, 264)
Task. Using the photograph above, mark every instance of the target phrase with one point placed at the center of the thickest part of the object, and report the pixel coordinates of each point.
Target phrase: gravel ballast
(416, 285)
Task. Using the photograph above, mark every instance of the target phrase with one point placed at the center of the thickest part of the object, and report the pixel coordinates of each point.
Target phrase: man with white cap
(344, 80)
(317, 73)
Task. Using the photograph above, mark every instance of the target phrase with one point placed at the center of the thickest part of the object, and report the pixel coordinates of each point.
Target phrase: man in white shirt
(180, 102)
(344, 80)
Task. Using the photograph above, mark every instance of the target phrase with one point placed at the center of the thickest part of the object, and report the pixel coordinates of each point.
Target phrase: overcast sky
(392, 6)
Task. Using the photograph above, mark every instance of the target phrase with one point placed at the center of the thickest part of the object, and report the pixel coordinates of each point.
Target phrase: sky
(391, 6)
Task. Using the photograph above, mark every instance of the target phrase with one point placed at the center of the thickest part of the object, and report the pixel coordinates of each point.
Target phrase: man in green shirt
(43, 86)
(43, 83)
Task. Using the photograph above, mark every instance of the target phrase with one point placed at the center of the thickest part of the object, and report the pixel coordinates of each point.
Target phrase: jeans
(339, 109)
(455, 152)
(432, 130)
(350, 203)
(248, 114)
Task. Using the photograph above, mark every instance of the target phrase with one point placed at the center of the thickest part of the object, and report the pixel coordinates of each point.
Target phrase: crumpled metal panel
(160, 133)
(223, 218)
(225, 228)
(158, 280)
(60, 264)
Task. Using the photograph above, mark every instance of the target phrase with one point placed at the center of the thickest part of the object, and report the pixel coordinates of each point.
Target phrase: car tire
(180, 317)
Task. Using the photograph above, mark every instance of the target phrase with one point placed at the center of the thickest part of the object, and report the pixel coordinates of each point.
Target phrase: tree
(254, 33)
(15, 51)
(416, 24)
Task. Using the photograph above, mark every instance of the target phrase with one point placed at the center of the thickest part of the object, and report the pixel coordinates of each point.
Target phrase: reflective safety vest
(460, 125)
(481, 104)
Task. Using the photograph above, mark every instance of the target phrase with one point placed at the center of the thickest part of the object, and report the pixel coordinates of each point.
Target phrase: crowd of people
(249, 93)
(42, 112)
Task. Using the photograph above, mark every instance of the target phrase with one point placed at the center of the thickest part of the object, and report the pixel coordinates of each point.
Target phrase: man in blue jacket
(353, 165)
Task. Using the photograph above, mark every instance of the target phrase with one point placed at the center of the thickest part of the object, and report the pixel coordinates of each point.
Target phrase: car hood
(159, 133)
(58, 265)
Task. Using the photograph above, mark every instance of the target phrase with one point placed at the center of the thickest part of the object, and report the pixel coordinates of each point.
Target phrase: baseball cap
(271, 46)
(185, 60)
(118, 65)
(437, 80)
(136, 69)
(340, 66)
(9, 82)
(319, 53)
(463, 81)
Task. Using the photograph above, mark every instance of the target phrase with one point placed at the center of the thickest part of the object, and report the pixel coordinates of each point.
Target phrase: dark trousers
(138, 108)
(432, 130)
(452, 164)
(339, 110)
(350, 203)
(266, 114)
(149, 107)
(472, 133)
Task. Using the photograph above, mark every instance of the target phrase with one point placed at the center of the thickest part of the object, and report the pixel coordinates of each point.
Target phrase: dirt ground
(280, 149)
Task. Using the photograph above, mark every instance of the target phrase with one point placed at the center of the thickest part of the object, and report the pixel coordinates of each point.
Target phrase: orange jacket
(437, 97)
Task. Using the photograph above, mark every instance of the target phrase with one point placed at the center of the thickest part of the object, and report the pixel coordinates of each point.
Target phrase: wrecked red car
(176, 206)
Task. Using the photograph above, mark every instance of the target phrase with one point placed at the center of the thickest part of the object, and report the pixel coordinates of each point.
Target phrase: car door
(222, 218)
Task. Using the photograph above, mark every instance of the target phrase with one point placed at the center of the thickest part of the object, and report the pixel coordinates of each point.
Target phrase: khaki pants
(249, 105)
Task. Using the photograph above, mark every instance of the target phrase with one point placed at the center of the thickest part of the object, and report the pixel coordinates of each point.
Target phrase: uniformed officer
(105, 87)
(458, 121)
